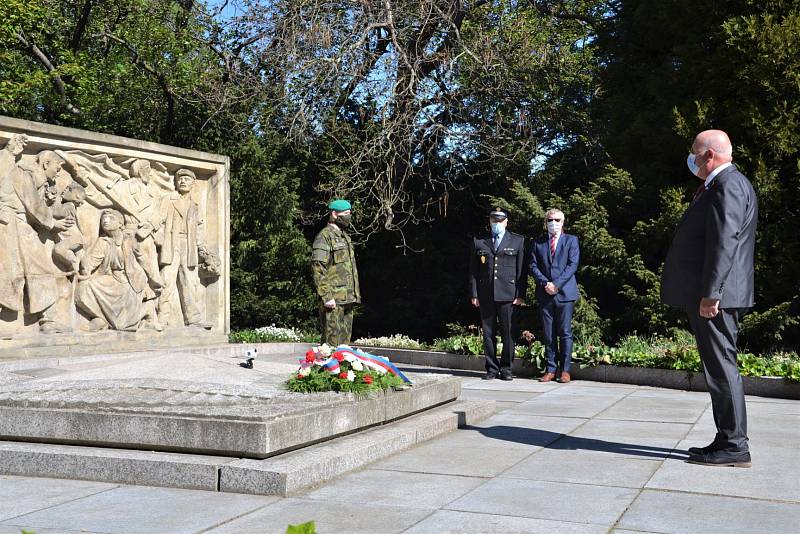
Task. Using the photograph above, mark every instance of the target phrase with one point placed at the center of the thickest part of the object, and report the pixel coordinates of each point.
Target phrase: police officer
(498, 280)
(335, 276)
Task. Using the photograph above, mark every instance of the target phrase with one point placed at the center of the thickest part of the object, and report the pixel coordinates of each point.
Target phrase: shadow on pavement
(558, 441)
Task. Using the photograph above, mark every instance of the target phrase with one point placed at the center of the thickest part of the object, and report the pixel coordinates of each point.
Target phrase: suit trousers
(557, 326)
(493, 313)
(716, 342)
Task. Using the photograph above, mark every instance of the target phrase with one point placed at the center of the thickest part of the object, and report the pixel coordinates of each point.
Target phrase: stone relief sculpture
(28, 282)
(183, 249)
(113, 287)
(92, 242)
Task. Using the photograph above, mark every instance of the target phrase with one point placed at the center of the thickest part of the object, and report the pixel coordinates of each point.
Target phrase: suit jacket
(499, 275)
(713, 248)
(560, 269)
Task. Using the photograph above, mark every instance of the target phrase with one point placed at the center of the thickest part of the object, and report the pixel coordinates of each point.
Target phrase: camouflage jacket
(333, 263)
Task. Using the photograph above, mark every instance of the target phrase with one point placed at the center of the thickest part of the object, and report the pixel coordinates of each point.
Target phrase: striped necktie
(553, 245)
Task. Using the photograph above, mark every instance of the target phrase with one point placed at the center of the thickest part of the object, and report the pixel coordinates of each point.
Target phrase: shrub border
(774, 387)
(779, 388)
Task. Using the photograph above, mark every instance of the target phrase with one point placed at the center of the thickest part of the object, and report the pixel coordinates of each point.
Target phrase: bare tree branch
(41, 57)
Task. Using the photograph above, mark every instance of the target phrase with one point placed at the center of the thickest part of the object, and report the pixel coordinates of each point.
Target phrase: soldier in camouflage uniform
(335, 276)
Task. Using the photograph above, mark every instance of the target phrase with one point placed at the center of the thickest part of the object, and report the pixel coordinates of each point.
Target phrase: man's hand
(550, 288)
(63, 224)
(709, 308)
(331, 304)
(475, 302)
(518, 302)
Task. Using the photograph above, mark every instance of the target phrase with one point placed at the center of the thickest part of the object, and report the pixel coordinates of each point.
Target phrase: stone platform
(209, 404)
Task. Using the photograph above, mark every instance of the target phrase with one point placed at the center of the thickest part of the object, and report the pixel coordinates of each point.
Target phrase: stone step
(205, 423)
(280, 475)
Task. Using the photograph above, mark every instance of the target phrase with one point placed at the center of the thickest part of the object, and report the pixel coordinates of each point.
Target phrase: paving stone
(584, 467)
(577, 389)
(568, 405)
(395, 488)
(450, 457)
(518, 384)
(19, 496)
(481, 394)
(511, 429)
(661, 511)
(135, 509)
(334, 517)
(626, 438)
(656, 409)
(775, 475)
(599, 505)
(448, 521)
(17, 529)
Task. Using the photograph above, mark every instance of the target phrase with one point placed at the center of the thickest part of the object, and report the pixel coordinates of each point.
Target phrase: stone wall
(109, 243)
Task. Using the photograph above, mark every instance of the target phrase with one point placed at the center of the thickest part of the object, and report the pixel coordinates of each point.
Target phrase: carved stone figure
(114, 285)
(70, 241)
(182, 242)
(28, 279)
(11, 152)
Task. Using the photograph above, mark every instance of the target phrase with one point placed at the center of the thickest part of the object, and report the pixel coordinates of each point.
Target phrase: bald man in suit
(709, 273)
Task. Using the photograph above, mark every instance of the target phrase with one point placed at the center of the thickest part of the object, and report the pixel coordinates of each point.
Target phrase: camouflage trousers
(336, 325)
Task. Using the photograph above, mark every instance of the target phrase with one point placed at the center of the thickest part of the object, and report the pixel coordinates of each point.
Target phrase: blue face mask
(497, 228)
(692, 165)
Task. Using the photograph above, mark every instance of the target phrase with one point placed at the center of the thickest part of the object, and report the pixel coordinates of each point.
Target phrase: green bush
(462, 340)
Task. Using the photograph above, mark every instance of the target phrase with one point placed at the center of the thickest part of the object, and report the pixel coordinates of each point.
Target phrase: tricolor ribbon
(378, 363)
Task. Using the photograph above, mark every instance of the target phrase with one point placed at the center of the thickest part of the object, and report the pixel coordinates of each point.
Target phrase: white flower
(325, 349)
(304, 371)
(351, 376)
(357, 365)
(350, 358)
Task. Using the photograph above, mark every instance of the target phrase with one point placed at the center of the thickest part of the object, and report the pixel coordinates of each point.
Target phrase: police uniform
(333, 264)
(497, 276)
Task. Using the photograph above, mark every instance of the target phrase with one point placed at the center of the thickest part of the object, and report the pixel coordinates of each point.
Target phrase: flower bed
(345, 370)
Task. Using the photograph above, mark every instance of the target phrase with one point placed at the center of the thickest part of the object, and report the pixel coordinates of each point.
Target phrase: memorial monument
(114, 315)
(109, 243)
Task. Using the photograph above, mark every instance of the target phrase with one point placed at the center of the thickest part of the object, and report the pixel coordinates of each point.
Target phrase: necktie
(698, 192)
(552, 245)
(496, 241)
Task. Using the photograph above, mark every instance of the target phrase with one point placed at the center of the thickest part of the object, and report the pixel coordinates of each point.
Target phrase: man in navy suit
(709, 273)
(498, 280)
(554, 261)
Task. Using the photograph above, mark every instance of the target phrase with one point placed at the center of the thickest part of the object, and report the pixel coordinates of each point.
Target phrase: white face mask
(554, 227)
(692, 165)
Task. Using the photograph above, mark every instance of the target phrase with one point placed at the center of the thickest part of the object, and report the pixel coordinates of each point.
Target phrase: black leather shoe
(722, 458)
(711, 447)
(505, 374)
(490, 375)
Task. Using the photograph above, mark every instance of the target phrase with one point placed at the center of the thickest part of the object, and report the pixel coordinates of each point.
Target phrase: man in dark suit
(709, 273)
(554, 261)
(497, 281)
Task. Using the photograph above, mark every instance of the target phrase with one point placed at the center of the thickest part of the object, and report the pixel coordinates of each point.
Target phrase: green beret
(339, 205)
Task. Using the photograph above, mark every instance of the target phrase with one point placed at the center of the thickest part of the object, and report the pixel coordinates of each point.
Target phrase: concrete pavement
(580, 457)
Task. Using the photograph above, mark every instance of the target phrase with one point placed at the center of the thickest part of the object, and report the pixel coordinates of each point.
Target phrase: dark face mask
(343, 221)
